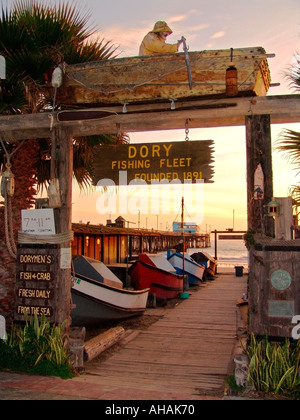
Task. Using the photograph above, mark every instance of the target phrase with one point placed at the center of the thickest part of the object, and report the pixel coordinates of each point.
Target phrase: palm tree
(34, 39)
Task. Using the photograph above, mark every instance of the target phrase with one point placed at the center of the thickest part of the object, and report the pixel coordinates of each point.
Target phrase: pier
(185, 355)
(112, 244)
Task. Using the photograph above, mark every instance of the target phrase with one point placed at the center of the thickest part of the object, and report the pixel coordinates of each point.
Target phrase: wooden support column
(259, 151)
(64, 223)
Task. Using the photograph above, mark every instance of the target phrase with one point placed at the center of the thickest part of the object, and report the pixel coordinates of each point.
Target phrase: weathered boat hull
(159, 260)
(96, 270)
(164, 284)
(160, 78)
(207, 260)
(98, 294)
(193, 270)
(97, 302)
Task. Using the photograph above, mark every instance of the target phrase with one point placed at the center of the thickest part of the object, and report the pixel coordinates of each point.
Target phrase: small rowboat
(184, 264)
(163, 283)
(160, 78)
(98, 295)
(207, 260)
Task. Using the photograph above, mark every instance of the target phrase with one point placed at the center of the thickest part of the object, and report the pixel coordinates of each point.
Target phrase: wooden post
(64, 224)
(284, 222)
(259, 151)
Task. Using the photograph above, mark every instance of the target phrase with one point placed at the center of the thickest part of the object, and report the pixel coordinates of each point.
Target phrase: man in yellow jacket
(155, 41)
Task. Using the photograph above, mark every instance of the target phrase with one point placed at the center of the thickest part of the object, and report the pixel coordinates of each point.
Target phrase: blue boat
(186, 266)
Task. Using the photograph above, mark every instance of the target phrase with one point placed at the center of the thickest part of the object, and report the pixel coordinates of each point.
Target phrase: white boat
(186, 265)
(160, 261)
(96, 270)
(96, 301)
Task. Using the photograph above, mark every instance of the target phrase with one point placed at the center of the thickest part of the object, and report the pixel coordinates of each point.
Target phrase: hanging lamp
(231, 78)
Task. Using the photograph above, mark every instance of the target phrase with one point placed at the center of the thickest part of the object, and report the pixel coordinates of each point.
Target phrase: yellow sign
(183, 161)
(34, 310)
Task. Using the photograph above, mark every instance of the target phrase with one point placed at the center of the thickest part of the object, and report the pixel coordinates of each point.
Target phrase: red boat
(165, 284)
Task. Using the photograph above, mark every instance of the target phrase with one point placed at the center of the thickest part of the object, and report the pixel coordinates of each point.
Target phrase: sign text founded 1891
(187, 160)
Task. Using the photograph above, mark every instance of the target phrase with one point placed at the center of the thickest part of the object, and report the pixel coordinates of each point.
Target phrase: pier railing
(109, 244)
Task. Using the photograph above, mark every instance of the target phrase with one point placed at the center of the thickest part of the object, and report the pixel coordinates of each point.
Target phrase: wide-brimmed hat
(161, 26)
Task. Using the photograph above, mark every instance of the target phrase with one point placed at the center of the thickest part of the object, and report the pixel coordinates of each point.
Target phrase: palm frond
(289, 144)
(294, 73)
(34, 38)
(12, 98)
(294, 192)
(91, 51)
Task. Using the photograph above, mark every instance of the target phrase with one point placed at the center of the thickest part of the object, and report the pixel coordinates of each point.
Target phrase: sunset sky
(206, 24)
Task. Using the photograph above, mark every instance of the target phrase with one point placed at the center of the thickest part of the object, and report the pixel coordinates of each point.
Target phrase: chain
(187, 130)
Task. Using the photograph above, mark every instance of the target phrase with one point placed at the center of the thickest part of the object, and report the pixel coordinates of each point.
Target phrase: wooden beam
(64, 223)
(259, 151)
(225, 112)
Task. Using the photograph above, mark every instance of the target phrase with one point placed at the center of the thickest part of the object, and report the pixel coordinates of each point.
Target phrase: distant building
(119, 222)
(188, 227)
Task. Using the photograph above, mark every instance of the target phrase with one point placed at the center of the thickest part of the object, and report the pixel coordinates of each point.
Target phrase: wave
(229, 253)
(231, 259)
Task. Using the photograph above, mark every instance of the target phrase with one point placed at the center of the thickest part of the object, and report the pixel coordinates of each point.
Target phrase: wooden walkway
(185, 354)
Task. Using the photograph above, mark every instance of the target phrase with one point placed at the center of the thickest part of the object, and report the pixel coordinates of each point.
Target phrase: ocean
(229, 252)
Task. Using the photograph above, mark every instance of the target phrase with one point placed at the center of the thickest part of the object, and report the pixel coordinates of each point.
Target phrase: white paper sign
(38, 222)
(65, 258)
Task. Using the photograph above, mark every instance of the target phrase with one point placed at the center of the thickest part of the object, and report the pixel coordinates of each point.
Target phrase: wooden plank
(283, 109)
(184, 390)
(167, 119)
(153, 370)
(187, 352)
(230, 237)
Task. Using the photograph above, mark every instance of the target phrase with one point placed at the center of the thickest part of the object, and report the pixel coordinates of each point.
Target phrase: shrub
(38, 348)
(274, 367)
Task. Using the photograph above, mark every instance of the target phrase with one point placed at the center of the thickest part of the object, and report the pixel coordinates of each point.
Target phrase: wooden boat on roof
(158, 78)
